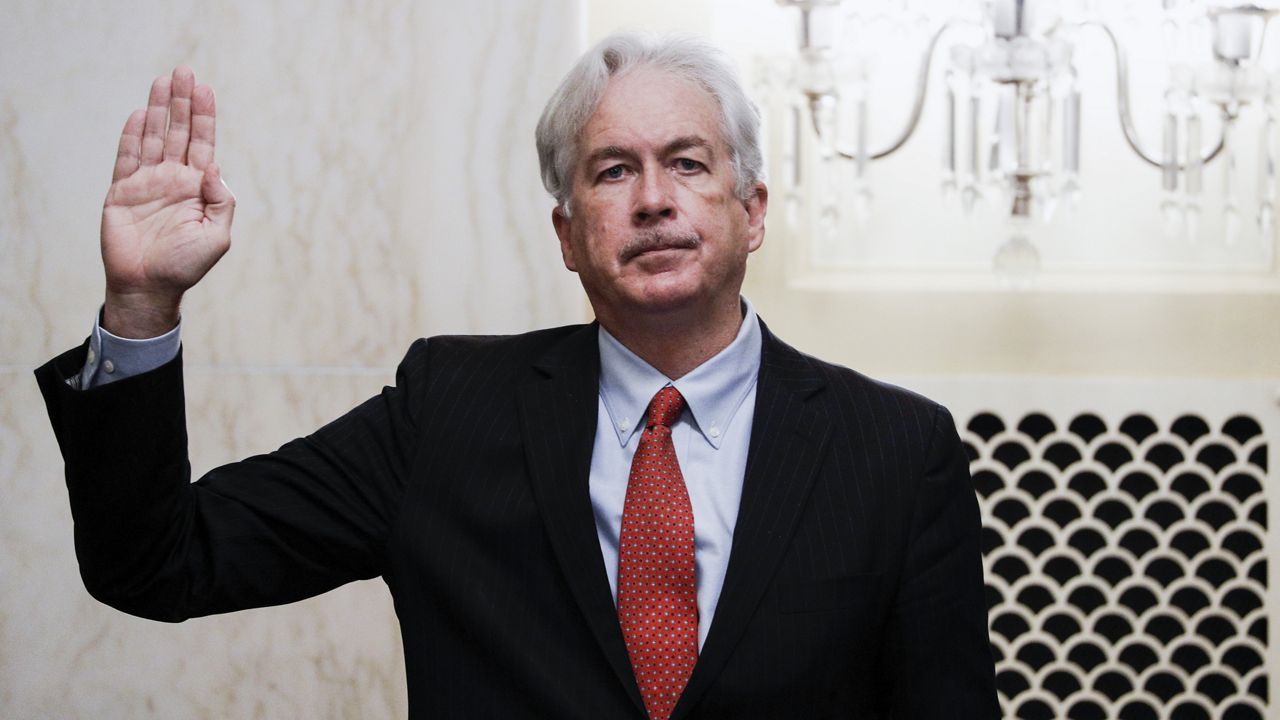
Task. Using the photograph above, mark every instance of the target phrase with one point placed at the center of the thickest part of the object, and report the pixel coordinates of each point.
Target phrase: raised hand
(167, 217)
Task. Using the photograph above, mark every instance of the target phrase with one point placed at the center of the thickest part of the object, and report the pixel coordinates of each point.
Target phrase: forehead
(648, 107)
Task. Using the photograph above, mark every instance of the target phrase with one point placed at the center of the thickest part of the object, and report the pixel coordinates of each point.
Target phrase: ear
(564, 230)
(756, 206)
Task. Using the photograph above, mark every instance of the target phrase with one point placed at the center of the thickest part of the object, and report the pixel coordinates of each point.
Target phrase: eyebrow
(607, 152)
(680, 144)
(687, 142)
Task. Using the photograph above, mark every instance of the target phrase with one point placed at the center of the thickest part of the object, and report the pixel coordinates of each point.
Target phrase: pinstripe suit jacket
(854, 587)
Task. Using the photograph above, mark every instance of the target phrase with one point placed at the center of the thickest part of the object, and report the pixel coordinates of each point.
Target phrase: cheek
(595, 244)
(600, 240)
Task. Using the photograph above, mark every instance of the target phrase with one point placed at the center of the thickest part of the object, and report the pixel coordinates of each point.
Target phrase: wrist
(140, 316)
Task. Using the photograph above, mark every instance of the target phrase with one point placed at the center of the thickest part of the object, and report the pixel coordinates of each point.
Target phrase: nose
(654, 202)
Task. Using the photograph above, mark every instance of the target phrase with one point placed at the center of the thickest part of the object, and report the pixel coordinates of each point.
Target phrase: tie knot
(665, 407)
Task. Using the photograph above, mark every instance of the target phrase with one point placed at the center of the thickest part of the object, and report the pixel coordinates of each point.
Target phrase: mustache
(650, 240)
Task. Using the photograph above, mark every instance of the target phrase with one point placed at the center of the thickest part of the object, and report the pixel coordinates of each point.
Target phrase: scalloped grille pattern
(1125, 565)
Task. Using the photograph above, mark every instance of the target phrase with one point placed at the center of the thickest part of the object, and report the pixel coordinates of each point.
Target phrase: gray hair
(573, 103)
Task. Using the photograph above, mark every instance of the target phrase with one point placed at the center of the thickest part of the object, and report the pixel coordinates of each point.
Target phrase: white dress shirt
(711, 440)
(114, 358)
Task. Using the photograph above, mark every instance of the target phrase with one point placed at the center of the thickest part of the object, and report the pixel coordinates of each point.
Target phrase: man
(667, 513)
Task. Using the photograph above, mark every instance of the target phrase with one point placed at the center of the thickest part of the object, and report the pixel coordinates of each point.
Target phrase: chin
(666, 297)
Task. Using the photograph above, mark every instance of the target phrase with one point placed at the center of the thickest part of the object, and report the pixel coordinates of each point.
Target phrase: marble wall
(382, 156)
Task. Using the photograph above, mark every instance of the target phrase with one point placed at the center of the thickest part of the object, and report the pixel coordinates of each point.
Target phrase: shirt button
(714, 432)
(93, 356)
(108, 366)
(625, 425)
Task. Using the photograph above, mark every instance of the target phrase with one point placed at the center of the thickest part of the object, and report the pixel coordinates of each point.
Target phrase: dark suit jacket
(854, 587)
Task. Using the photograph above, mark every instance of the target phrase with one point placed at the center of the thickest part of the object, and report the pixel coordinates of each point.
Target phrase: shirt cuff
(112, 358)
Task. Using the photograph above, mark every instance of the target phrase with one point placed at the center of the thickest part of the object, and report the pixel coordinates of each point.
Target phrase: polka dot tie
(657, 595)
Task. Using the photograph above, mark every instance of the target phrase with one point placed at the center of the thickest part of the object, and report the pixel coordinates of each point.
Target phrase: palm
(154, 228)
(167, 217)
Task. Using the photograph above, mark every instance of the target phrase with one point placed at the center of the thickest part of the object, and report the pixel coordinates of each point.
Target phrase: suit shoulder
(850, 385)
(854, 380)
(451, 371)
(856, 400)
(460, 350)
(905, 427)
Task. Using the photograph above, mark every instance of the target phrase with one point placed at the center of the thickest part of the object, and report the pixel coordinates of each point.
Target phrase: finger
(220, 204)
(157, 118)
(179, 133)
(130, 146)
(200, 152)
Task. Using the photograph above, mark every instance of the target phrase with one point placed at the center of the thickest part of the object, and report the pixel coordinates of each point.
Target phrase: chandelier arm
(1122, 103)
(922, 87)
(917, 108)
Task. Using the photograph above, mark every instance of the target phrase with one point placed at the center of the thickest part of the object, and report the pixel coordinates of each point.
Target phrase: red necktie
(657, 595)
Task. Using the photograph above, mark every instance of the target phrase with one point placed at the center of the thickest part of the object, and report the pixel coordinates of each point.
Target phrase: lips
(660, 248)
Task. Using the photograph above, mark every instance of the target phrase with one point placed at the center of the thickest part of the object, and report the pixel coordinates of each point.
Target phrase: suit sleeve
(938, 642)
(271, 529)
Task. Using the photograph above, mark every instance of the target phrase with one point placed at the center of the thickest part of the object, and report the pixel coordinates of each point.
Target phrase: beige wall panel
(382, 158)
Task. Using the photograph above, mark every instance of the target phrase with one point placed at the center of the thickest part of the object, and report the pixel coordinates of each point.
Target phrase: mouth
(656, 242)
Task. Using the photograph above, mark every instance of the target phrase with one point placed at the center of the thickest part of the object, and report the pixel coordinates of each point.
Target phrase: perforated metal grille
(1126, 565)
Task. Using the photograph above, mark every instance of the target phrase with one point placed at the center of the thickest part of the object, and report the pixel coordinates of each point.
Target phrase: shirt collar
(713, 391)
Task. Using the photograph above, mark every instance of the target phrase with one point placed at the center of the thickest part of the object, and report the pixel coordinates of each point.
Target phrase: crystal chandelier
(1012, 105)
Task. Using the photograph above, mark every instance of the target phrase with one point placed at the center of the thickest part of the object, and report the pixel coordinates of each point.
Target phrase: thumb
(220, 204)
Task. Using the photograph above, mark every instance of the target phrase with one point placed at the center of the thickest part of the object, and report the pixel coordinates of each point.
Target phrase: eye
(688, 166)
(614, 172)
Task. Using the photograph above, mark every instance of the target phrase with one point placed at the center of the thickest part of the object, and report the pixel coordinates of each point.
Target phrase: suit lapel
(788, 443)
(558, 418)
